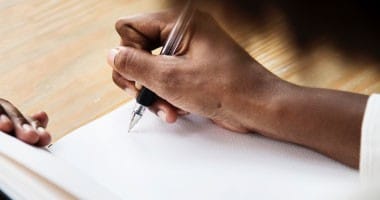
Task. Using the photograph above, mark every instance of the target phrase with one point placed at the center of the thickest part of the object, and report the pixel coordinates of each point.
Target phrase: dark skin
(215, 78)
(31, 130)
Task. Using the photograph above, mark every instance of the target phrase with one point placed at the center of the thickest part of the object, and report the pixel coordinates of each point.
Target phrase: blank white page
(37, 168)
(195, 159)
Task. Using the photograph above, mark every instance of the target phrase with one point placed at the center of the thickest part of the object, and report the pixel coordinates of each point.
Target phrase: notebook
(191, 159)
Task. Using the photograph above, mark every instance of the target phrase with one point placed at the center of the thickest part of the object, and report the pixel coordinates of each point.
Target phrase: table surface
(53, 57)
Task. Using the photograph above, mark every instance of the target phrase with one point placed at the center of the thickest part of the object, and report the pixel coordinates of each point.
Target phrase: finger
(25, 132)
(138, 65)
(42, 119)
(164, 111)
(124, 84)
(44, 137)
(22, 128)
(39, 122)
(6, 124)
(147, 31)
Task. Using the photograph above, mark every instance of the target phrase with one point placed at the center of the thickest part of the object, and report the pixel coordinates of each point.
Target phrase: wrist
(260, 100)
(272, 108)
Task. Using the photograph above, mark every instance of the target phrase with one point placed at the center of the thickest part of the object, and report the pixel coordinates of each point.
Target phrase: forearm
(325, 120)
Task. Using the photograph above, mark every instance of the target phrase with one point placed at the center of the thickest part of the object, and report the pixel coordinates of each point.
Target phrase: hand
(211, 75)
(29, 130)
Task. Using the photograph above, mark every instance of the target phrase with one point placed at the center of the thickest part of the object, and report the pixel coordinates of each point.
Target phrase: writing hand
(214, 77)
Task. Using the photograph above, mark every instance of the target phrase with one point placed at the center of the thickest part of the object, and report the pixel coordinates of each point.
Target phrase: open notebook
(191, 159)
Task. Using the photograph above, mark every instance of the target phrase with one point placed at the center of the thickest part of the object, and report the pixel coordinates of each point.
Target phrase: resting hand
(30, 130)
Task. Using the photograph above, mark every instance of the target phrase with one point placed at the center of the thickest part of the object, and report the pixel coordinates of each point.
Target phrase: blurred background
(351, 26)
(53, 51)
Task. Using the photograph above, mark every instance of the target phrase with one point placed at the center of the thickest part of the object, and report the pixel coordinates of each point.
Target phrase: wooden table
(52, 57)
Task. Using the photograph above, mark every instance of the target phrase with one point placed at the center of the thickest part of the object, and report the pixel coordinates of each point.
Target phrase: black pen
(146, 97)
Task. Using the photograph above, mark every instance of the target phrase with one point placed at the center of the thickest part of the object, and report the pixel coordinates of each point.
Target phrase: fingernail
(27, 127)
(4, 118)
(130, 92)
(111, 56)
(40, 129)
(162, 115)
(138, 86)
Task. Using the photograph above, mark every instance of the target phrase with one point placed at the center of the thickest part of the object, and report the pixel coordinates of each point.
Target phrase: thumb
(135, 64)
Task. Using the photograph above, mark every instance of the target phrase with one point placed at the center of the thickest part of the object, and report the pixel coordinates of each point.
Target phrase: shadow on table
(351, 26)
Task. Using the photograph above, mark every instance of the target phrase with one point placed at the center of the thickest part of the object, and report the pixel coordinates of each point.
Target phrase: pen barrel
(146, 97)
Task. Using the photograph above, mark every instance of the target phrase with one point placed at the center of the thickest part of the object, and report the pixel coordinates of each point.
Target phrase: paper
(195, 159)
(47, 169)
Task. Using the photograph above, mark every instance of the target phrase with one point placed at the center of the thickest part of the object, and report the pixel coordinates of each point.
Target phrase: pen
(146, 97)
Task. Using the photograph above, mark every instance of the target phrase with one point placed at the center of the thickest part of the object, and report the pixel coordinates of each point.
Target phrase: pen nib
(136, 116)
(133, 121)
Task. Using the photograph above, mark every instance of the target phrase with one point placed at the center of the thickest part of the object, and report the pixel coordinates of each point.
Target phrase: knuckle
(120, 25)
(125, 26)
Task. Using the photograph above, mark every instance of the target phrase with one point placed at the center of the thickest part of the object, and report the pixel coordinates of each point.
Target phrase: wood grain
(52, 57)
